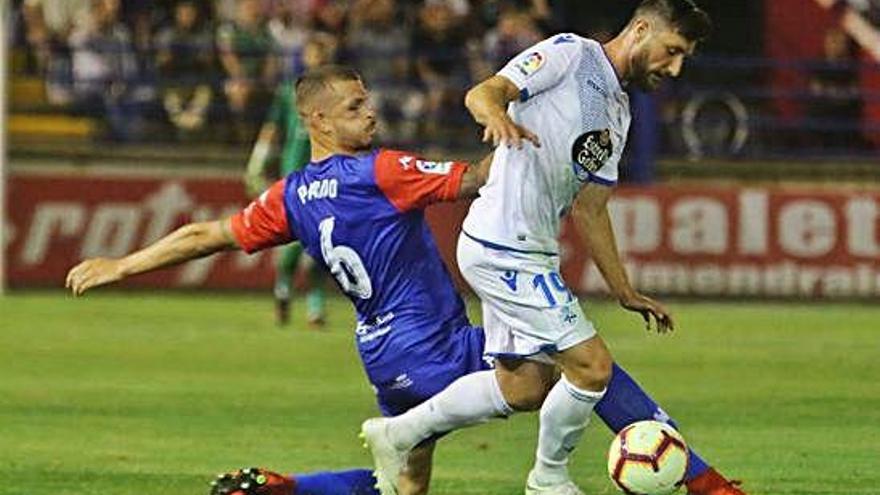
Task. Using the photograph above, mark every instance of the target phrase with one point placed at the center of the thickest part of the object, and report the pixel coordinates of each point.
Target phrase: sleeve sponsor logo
(530, 64)
(591, 152)
(437, 168)
(426, 167)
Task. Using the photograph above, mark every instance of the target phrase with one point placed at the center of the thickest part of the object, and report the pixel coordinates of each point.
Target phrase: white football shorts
(528, 312)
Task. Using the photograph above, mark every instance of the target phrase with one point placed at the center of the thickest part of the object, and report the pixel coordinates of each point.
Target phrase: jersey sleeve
(542, 66)
(263, 224)
(410, 182)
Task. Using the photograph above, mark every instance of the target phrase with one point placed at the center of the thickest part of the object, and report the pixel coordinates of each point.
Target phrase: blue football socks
(351, 482)
(625, 403)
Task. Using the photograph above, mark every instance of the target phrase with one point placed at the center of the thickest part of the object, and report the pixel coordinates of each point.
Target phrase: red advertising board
(714, 240)
(743, 241)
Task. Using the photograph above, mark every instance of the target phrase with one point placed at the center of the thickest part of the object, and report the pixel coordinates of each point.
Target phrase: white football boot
(387, 459)
(564, 488)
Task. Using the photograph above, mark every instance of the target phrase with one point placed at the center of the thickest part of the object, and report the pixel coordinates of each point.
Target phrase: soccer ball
(648, 458)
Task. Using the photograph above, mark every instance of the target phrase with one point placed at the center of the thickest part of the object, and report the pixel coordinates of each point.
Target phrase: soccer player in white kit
(559, 116)
(566, 96)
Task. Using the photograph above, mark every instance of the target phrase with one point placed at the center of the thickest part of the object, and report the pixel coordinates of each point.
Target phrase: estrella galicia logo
(590, 152)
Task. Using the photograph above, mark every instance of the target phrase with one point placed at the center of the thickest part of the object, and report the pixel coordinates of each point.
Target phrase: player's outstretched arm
(487, 102)
(590, 212)
(188, 242)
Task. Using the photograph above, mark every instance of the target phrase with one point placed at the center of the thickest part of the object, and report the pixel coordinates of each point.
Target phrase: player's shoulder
(559, 51)
(394, 158)
(594, 71)
(565, 42)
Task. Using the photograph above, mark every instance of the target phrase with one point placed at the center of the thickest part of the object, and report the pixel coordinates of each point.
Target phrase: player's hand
(92, 273)
(655, 315)
(255, 184)
(502, 129)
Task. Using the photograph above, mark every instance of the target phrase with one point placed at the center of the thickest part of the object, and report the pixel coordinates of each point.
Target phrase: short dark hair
(315, 81)
(684, 16)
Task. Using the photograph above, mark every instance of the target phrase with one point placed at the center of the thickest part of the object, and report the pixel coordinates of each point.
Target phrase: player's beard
(640, 74)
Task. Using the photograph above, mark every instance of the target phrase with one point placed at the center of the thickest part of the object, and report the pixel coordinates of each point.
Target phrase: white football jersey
(572, 99)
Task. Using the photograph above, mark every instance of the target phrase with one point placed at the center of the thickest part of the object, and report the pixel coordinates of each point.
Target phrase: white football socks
(470, 400)
(564, 417)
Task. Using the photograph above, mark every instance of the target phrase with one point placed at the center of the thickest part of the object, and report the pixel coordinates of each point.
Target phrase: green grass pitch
(135, 393)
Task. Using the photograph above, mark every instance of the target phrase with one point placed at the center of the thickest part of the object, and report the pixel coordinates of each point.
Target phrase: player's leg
(315, 304)
(284, 269)
(415, 478)
(524, 383)
(625, 402)
(472, 395)
(472, 399)
(528, 311)
(586, 369)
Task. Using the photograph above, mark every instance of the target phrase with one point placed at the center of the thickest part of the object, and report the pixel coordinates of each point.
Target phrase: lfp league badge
(530, 64)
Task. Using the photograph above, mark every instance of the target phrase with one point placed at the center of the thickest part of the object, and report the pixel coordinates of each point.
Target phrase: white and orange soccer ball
(648, 458)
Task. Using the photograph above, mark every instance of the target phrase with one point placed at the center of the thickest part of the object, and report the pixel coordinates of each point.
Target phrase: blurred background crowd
(204, 71)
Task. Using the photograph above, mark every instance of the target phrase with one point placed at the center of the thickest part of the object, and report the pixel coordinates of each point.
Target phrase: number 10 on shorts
(551, 285)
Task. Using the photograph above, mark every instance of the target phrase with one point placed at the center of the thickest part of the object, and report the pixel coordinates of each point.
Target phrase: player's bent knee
(593, 375)
(588, 365)
(524, 384)
(526, 400)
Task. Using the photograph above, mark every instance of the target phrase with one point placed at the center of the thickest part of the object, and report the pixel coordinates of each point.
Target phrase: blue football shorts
(418, 378)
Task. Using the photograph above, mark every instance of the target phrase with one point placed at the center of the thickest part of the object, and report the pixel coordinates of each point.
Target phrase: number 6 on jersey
(344, 263)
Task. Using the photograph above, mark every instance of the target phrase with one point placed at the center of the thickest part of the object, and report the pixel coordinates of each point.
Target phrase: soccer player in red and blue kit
(360, 212)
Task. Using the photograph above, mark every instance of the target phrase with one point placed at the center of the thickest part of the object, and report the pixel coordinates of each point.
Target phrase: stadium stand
(93, 71)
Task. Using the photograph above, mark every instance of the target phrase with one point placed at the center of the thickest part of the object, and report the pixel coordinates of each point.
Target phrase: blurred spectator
(330, 17)
(247, 52)
(378, 44)
(459, 8)
(185, 60)
(226, 10)
(320, 49)
(515, 32)
(489, 12)
(141, 16)
(283, 123)
(105, 69)
(442, 65)
(289, 26)
(835, 106)
(284, 126)
(48, 24)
